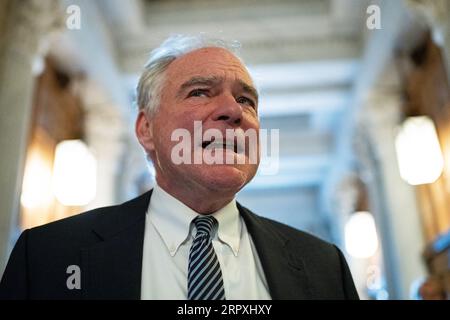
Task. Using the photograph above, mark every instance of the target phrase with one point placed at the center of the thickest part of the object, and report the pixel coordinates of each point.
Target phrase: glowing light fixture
(37, 181)
(419, 154)
(361, 239)
(74, 173)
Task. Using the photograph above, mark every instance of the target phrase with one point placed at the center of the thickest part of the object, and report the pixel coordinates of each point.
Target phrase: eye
(198, 93)
(247, 101)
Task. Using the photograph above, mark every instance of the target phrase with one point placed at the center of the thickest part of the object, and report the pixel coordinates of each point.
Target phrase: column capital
(28, 22)
(437, 16)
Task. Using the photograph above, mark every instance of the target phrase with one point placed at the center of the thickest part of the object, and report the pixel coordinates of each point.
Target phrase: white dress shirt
(168, 238)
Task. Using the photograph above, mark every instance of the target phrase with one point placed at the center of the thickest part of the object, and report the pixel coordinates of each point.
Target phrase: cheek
(179, 128)
(251, 120)
(255, 123)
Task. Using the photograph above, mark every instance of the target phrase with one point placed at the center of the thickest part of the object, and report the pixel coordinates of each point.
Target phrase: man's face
(209, 85)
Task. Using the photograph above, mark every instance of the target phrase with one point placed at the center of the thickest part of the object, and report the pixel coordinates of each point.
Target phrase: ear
(144, 131)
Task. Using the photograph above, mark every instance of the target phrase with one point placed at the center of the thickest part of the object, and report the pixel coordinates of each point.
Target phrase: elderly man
(187, 238)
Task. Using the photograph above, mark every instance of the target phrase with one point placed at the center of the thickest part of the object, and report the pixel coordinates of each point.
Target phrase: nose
(228, 110)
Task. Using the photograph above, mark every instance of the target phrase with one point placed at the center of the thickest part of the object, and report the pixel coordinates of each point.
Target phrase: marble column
(396, 209)
(27, 22)
(345, 201)
(105, 132)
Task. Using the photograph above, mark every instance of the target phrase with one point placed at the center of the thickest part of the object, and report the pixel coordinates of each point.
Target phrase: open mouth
(225, 145)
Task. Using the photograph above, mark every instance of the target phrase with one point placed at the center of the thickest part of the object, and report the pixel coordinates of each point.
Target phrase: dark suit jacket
(107, 244)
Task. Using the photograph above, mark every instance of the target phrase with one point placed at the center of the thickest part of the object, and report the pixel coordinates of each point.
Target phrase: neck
(203, 202)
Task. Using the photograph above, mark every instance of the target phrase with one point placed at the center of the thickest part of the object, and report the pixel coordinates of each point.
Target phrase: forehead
(208, 62)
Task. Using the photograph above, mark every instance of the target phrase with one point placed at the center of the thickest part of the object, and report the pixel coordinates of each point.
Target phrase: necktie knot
(205, 225)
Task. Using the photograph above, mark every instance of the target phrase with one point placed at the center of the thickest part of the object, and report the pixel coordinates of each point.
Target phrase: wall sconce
(74, 173)
(361, 239)
(419, 154)
(37, 181)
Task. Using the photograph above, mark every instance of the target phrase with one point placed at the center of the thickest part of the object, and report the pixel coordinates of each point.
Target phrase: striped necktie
(204, 275)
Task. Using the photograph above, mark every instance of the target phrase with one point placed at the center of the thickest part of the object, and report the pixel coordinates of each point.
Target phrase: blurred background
(358, 89)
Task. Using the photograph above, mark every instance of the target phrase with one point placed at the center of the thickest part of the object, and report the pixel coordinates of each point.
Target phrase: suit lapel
(111, 269)
(284, 270)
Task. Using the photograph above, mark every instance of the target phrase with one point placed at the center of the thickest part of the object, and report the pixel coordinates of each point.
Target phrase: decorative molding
(28, 23)
(437, 16)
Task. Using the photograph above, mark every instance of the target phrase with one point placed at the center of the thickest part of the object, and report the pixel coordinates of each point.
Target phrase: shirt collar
(229, 226)
(172, 220)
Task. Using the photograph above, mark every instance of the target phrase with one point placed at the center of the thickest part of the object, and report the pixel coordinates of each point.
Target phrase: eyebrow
(195, 81)
(249, 89)
(211, 81)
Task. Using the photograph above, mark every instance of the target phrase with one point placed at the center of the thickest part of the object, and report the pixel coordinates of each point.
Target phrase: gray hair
(148, 91)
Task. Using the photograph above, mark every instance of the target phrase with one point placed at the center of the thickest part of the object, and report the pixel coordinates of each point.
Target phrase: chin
(226, 177)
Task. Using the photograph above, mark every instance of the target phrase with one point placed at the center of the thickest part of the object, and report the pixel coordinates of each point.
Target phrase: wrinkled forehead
(212, 61)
